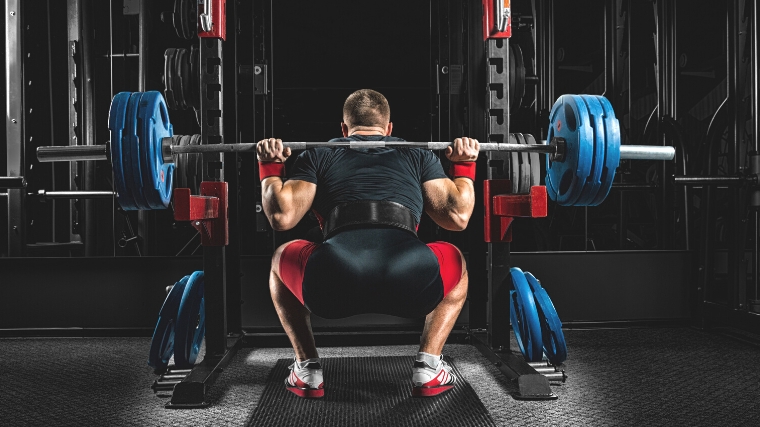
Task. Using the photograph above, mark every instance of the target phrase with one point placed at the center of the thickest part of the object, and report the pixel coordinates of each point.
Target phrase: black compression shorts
(370, 270)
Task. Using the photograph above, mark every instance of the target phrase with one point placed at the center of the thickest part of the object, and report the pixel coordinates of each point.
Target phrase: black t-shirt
(345, 174)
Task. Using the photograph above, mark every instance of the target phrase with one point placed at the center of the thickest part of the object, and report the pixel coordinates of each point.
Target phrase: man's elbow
(282, 222)
(459, 222)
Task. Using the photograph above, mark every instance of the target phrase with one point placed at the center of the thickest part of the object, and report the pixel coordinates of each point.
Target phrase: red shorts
(296, 255)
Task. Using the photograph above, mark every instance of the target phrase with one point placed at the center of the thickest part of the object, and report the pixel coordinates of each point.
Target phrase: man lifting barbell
(368, 203)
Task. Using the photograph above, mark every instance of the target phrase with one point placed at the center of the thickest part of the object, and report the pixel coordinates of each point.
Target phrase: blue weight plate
(524, 317)
(116, 124)
(191, 322)
(569, 119)
(612, 155)
(591, 188)
(555, 346)
(162, 344)
(131, 151)
(152, 126)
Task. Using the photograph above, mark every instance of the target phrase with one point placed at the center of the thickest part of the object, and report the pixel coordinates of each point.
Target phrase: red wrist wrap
(462, 169)
(267, 169)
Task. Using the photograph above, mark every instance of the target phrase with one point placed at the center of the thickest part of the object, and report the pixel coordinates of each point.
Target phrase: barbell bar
(583, 150)
(171, 149)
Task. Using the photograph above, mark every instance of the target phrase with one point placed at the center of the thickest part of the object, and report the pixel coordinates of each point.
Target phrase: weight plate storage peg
(116, 124)
(553, 338)
(612, 152)
(596, 119)
(524, 317)
(191, 322)
(154, 125)
(569, 119)
(162, 344)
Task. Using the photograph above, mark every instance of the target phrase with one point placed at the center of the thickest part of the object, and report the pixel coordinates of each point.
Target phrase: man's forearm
(462, 203)
(274, 202)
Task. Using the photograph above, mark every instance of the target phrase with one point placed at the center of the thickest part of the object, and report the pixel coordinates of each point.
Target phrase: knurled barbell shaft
(100, 152)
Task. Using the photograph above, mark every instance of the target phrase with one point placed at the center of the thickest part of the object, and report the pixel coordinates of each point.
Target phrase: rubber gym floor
(622, 377)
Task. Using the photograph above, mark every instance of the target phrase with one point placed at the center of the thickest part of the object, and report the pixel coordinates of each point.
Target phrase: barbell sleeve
(70, 153)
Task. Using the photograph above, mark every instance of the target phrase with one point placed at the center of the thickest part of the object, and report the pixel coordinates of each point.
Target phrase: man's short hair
(366, 107)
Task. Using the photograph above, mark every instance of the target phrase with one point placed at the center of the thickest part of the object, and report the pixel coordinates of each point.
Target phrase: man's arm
(284, 202)
(449, 202)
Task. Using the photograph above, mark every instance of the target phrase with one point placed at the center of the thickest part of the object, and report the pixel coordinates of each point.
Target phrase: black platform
(368, 391)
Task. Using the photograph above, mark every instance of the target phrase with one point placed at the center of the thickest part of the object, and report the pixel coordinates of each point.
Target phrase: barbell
(583, 150)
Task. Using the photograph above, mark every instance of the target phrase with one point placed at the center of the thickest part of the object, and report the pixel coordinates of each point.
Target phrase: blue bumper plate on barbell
(612, 153)
(555, 346)
(130, 145)
(191, 322)
(593, 182)
(116, 124)
(569, 119)
(162, 345)
(152, 126)
(524, 317)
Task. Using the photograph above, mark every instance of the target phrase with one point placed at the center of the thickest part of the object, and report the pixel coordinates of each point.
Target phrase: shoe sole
(307, 393)
(430, 391)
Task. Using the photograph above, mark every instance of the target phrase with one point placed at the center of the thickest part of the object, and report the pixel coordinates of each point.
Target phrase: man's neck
(367, 131)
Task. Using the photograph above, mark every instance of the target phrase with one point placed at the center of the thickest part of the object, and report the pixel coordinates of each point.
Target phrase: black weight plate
(181, 65)
(519, 70)
(535, 162)
(185, 140)
(191, 20)
(525, 166)
(514, 166)
(182, 158)
(195, 77)
(177, 18)
(195, 184)
(512, 79)
(169, 76)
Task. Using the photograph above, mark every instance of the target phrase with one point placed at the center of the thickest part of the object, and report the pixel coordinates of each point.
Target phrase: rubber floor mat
(368, 391)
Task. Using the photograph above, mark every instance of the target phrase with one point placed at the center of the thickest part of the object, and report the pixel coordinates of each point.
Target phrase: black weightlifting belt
(369, 212)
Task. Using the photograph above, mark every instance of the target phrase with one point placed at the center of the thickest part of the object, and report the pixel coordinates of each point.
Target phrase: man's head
(366, 112)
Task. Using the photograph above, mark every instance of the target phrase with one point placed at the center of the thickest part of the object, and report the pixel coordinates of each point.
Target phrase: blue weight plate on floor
(191, 323)
(569, 119)
(116, 124)
(591, 188)
(131, 151)
(612, 153)
(152, 126)
(555, 346)
(162, 345)
(524, 317)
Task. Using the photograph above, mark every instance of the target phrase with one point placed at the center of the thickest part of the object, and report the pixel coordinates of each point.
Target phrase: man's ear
(344, 129)
(389, 129)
